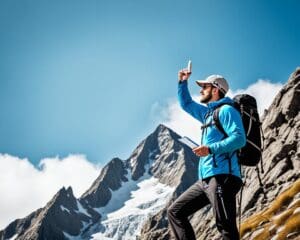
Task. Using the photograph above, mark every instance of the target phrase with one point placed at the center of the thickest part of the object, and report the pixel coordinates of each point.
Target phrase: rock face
(281, 156)
(173, 162)
(63, 215)
(110, 178)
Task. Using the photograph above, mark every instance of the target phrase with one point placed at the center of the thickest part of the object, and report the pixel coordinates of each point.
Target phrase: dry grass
(283, 200)
(279, 213)
(279, 220)
(295, 203)
(264, 234)
(292, 225)
(252, 223)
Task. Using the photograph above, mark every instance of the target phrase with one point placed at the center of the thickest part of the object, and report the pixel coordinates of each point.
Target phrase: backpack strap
(217, 121)
(204, 128)
(219, 126)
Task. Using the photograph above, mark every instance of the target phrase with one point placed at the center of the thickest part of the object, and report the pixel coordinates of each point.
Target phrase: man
(219, 171)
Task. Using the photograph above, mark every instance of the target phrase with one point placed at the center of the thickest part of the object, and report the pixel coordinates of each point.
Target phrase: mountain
(64, 213)
(122, 198)
(129, 198)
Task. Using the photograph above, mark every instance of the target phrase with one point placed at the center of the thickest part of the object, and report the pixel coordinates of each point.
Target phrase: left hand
(183, 75)
(201, 151)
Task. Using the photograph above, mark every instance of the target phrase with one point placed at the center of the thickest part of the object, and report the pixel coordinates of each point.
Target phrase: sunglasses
(206, 86)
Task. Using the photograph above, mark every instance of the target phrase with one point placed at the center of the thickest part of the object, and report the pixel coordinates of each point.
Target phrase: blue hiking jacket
(222, 148)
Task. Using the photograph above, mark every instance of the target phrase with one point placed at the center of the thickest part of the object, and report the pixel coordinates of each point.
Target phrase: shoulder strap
(221, 129)
(217, 121)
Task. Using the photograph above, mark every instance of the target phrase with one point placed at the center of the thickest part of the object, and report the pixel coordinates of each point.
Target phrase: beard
(206, 98)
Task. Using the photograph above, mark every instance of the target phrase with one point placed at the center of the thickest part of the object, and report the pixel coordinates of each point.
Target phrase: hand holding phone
(185, 73)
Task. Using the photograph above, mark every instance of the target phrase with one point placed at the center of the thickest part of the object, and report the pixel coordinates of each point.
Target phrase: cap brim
(202, 82)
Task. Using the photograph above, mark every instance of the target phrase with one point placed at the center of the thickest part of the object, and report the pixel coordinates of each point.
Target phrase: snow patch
(131, 205)
(13, 237)
(79, 236)
(64, 209)
(163, 140)
(81, 209)
(145, 199)
(71, 237)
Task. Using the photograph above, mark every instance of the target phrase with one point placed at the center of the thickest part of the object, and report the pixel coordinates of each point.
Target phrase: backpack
(250, 154)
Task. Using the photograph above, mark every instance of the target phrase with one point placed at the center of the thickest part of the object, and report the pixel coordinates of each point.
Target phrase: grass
(292, 225)
(279, 220)
(264, 234)
(278, 215)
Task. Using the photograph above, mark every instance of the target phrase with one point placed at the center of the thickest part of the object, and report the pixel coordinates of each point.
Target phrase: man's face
(206, 93)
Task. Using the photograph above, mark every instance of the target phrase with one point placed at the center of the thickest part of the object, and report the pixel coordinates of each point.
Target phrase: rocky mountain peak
(63, 215)
(281, 125)
(63, 195)
(110, 178)
(286, 104)
(294, 76)
(162, 139)
(160, 145)
(163, 130)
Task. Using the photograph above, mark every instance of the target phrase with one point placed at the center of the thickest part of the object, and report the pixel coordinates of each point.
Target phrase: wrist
(209, 150)
(182, 80)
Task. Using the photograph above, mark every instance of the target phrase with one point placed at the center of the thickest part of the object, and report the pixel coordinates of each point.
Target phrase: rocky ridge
(65, 217)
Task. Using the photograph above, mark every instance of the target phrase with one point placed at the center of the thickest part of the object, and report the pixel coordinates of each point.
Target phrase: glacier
(130, 206)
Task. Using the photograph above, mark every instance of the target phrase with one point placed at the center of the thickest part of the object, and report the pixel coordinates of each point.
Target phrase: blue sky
(83, 76)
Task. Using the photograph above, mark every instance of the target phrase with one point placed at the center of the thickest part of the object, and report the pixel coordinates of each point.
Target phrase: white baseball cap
(217, 81)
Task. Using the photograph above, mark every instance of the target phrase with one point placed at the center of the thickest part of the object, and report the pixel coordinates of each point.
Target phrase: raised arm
(195, 109)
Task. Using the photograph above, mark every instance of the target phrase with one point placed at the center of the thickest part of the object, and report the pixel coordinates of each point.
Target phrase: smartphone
(189, 67)
(187, 141)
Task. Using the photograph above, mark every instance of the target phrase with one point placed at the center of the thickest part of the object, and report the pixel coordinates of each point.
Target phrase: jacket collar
(215, 104)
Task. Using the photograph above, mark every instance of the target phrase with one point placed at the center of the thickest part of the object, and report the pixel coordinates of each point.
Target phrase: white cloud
(25, 188)
(171, 114)
(263, 90)
(175, 118)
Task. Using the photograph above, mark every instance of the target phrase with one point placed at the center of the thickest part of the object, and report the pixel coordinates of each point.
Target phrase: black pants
(219, 191)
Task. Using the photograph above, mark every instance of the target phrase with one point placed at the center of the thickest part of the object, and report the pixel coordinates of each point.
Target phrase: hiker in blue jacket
(219, 170)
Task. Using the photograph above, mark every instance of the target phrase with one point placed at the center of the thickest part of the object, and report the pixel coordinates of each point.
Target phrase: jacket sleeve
(232, 124)
(186, 102)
